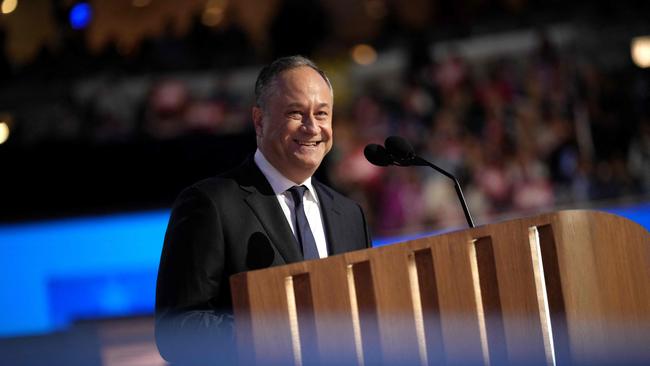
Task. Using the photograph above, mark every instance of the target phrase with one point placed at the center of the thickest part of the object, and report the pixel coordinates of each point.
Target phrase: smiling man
(269, 211)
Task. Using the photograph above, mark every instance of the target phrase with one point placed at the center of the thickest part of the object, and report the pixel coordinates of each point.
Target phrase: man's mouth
(307, 143)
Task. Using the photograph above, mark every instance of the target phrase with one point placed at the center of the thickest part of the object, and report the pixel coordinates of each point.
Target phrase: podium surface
(571, 287)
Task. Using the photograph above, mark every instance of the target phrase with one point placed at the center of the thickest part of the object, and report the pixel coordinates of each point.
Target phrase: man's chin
(309, 154)
(308, 163)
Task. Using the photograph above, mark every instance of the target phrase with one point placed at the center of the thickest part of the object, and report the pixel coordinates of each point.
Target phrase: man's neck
(297, 179)
(279, 182)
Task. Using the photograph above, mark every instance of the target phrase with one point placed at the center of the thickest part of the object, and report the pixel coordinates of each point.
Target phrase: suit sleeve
(366, 229)
(191, 326)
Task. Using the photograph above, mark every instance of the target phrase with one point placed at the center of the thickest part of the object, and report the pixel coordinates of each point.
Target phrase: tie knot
(297, 192)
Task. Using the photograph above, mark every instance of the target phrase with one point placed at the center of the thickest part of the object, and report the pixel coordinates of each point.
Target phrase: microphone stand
(416, 160)
(400, 153)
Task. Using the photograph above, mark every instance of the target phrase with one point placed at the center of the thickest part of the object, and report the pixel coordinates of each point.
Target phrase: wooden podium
(571, 287)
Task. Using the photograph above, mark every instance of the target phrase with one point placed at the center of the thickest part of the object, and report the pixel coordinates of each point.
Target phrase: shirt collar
(279, 182)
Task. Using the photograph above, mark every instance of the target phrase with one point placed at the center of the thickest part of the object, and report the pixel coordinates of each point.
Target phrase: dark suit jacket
(222, 226)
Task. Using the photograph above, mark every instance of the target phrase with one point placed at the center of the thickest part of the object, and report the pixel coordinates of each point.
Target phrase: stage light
(9, 6)
(640, 50)
(212, 17)
(364, 54)
(4, 132)
(213, 13)
(80, 15)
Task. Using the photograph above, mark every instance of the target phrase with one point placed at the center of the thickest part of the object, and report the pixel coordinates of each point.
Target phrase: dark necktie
(303, 231)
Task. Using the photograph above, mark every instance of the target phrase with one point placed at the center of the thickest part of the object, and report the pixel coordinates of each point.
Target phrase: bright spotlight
(640, 49)
(80, 15)
(9, 6)
(4, 132)
(364, 54)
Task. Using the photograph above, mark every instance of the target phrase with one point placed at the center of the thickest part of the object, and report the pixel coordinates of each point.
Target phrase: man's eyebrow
(300, 105)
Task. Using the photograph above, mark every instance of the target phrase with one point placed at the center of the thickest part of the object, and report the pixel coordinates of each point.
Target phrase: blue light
(80, 15)
(53, 273)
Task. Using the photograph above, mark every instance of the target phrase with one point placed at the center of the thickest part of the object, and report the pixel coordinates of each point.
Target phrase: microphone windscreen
(399, 148)
(377, 155)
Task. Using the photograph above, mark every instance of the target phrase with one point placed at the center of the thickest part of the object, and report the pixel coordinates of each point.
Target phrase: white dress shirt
(280, 184)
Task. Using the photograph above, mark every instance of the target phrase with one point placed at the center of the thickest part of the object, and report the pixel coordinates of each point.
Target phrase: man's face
(294, 127)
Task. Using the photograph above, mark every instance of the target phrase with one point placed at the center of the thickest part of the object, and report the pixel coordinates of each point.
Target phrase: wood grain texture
(476, 287)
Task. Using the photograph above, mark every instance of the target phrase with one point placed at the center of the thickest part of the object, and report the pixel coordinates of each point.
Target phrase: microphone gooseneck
(399, 152)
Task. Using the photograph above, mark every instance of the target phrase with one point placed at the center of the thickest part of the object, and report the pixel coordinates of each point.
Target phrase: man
(248, 218)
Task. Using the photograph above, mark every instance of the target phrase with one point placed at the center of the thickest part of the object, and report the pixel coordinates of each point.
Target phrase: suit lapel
(264, 204)
(332, 219)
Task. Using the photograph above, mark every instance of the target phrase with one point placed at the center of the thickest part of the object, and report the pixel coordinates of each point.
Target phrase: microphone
(377, 155)
(400, 149)
(399, 152)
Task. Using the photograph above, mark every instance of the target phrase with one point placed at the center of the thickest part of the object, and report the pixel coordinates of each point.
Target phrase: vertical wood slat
(364, 298)
(430, 306)
(459, 317)
(555, 295)
(293, 321)
(426, 305)
(394, 304)
(480, 310)
(356, 321)
(306, 321)
(332, 311)
(418, 315)
(271, 330)
(588, 336)
(542, 298)
(515, 272)
(495, 344)
(605, 271)
(301, 319)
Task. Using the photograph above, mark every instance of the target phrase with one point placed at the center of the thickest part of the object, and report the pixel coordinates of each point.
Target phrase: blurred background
(108, 108)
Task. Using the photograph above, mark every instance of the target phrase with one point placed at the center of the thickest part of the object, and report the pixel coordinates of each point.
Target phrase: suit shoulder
(214, 186)
(226, 185)
(213, 183)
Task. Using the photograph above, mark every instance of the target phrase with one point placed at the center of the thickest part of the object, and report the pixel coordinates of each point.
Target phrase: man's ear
(257, 115)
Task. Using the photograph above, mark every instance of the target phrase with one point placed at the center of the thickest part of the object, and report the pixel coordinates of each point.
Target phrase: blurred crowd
(522, 134)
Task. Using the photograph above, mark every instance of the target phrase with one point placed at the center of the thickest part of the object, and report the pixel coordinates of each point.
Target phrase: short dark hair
(268, 74)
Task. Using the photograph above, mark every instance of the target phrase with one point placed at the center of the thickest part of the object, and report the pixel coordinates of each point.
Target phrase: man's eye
(294, 114)
(322, 114)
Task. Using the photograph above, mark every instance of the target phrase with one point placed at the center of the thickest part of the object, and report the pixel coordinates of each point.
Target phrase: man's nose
(310, 125)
